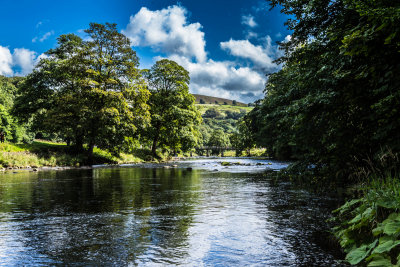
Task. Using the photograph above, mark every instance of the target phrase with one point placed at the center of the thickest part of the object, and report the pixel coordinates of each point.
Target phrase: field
(212, 99)
(222, 108)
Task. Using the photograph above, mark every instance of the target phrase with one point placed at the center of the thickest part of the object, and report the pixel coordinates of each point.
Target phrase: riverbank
(48, 154)
(41, 153)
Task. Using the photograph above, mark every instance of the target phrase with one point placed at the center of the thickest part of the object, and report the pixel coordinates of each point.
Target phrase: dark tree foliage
(337, 96)
(88, 92)
(174, 117)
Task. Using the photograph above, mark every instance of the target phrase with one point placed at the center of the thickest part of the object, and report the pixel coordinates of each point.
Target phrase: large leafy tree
(174, 116)
(336, 97)
(89, 92)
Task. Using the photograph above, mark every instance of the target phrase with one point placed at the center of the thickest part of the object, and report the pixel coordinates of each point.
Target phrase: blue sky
(227, 46)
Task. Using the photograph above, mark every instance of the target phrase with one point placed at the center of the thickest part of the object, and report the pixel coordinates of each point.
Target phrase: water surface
(148, 215)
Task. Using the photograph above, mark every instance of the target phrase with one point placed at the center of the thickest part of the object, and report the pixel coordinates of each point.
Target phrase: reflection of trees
(103, 215)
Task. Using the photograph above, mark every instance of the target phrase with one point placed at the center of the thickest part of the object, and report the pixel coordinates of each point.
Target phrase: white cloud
(168, 31)
(20, 62)
(249, 21)
(260, 56)
(223, 79)
(44, 37)
(5, 61)
(25, 59)
(288, 38)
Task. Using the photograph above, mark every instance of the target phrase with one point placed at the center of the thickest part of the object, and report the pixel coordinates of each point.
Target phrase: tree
(343, 106)
(202, 101)
(212, 113)
(234, 103)
(174, 116)
(244, 139)
(88, 91)
(218, 140)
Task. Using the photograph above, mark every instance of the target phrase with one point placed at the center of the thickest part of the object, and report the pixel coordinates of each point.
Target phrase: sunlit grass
(45, 153)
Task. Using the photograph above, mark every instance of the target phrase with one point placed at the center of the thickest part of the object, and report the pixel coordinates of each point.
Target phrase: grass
(44, 153)
(222, 108)
(212, 99)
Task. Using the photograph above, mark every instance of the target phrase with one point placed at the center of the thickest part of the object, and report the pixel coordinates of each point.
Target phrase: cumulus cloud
(5, 61)
(248, 20)
(168, 31)
(261, 56)
(20, 62)
(25, 59)
(223, 79)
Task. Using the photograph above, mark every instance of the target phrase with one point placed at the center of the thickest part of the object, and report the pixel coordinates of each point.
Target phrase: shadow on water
(151, 215)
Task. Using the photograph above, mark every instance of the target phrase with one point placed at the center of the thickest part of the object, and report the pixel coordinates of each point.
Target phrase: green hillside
(217, 100)
(224, 109)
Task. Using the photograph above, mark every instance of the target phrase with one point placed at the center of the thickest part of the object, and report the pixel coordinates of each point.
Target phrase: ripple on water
(147, 215)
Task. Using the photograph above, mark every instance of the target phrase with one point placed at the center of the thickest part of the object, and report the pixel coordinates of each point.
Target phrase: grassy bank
(44, 153)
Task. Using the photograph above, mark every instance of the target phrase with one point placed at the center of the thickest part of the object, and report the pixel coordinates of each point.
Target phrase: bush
(369, 227)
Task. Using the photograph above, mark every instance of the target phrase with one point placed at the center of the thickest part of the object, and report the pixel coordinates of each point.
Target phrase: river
(198, 213)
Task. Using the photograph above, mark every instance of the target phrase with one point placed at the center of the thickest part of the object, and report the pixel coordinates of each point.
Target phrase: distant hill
(221, 101)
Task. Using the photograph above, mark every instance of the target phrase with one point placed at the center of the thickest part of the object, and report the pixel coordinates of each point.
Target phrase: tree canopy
(174, 116)
(336, 98)
(87, 91)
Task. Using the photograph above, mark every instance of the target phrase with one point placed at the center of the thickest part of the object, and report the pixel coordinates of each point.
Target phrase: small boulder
(35, 169)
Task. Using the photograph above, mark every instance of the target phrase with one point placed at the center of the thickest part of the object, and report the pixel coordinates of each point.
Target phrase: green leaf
(386, 246)
(391, 227)
(356, 255)
(381, 262)
(377, 231)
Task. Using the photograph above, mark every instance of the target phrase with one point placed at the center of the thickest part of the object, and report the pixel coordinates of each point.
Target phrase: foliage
(87, 91)
(244, 139)
(218, 139)
(368, 228)
(13, 129)
(174, 117)
(212, 113)
(343, 106)
(45, 153)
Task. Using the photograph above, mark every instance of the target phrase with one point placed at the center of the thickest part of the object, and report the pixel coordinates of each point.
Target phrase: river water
(199, 213)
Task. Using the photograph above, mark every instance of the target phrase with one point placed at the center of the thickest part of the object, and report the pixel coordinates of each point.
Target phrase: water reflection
(150, 216)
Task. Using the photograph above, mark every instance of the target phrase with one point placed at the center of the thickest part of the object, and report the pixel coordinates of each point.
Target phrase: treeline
(336, 101)
(334, 108)
(90, 92)
(9, 124)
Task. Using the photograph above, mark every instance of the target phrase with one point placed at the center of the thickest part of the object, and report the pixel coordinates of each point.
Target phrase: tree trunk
(90, 153)
(154, 146)
(155, 141)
